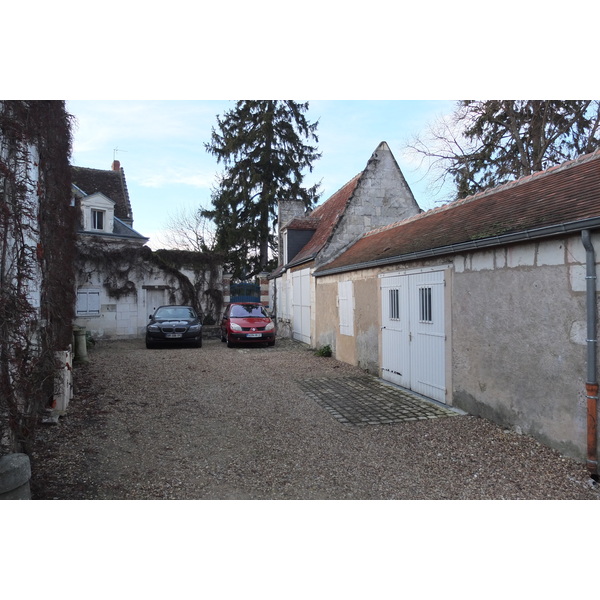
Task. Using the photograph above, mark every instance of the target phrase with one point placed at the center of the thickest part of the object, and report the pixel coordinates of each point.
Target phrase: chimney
(116, 166)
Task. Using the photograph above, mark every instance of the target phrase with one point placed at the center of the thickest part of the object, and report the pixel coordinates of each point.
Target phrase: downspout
(591, 386)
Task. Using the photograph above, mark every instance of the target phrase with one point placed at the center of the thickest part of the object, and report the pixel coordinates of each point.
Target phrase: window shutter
(346, 307)
(93, 302)
(81, 303)
(88, 303)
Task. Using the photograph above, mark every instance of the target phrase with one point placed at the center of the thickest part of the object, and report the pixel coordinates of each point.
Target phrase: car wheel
(229, 343)
(150, 344)
(271, 343)
(199, 343)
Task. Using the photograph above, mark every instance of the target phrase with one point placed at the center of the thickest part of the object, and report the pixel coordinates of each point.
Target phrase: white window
(98, 219)
(346, 307)
(394, 304)
(425, 306)
(88, 303)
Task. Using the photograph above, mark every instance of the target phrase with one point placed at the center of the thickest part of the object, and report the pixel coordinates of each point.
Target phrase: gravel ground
(220, 423)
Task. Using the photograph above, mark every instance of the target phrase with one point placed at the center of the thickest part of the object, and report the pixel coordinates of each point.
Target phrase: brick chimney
(116, 166)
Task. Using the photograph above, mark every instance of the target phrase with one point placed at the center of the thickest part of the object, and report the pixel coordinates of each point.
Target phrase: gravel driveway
(220, 423)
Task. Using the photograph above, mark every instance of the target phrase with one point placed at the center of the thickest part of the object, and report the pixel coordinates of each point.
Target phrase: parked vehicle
(247, 323)
(174, 325)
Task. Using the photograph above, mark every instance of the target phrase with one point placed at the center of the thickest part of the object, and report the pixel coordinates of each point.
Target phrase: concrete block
(575, 250)
(15, 473)
(521, 256)
(459, 264)
(482, 261)
(551, 253)
(500, 258)
(577, 278)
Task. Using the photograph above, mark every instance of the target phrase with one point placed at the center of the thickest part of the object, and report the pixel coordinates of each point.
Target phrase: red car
(247, 323)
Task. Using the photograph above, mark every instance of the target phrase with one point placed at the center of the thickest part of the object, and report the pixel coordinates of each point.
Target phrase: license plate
(173, 335)
(254, 335)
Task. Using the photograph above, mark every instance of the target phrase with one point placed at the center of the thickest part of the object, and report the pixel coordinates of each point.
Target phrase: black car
(174, 324)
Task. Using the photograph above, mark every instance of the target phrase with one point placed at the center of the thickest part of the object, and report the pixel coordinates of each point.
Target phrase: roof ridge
(583, 158)
(125, 192)
(568, 164)
(335, 194)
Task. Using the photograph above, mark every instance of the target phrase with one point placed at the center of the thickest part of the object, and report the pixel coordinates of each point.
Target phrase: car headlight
(194, 328)
(270, 326)
(235, 327)
(153, 328)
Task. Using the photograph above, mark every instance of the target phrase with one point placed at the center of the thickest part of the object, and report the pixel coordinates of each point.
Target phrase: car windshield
(247, 310)
(175, 312)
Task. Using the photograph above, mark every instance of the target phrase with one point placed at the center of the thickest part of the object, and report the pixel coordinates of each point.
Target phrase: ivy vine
(37, 246)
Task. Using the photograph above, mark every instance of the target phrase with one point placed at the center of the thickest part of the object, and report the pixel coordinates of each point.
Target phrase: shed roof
(563, 194)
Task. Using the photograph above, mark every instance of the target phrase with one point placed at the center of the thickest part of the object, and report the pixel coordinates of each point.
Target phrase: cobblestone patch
(369, 401)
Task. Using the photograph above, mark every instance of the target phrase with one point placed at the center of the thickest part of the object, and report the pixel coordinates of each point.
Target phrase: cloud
(170, 176)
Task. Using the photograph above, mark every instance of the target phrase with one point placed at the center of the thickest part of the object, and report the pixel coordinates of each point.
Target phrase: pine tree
(265, 148)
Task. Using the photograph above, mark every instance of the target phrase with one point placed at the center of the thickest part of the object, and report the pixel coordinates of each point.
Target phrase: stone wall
(382, 197)
(519, 339)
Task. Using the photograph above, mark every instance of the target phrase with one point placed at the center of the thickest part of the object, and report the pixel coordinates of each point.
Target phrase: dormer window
(98, 213)
(98, 219)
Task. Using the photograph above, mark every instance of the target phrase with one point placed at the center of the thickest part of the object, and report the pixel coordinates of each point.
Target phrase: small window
(425, 312)
(395, 304)
(98, 219)
(88, 303)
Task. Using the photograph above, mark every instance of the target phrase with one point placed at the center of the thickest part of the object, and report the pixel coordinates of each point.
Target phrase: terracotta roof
(563, 194)
(110, 183)
(325, 217)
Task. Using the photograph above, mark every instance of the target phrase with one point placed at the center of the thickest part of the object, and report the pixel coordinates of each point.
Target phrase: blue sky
(160, 145)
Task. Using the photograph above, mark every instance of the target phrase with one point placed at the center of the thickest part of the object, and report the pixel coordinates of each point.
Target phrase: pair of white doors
(413, 332)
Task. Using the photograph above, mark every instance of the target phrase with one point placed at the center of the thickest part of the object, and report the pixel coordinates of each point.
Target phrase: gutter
(118, 236)
(591, 386)
(499, 240)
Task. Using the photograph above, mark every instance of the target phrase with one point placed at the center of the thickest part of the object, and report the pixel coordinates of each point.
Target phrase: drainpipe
(591, 386)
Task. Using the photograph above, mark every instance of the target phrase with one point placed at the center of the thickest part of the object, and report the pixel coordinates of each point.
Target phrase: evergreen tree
(265, 148)
(491, 142)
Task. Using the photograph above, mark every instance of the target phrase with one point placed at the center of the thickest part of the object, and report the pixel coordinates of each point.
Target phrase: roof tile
(325, 217)
(562, 194)
(108, 182)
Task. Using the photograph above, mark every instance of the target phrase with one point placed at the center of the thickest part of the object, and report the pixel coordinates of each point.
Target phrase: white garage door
(413, 332)
(301, 305)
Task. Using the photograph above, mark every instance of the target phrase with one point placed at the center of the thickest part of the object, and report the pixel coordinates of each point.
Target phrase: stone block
(482, 261)
(551, 253)
(15, 473)
(521, 256)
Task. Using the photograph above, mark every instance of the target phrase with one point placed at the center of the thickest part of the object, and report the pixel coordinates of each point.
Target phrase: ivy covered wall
(128, 281)
(37, 249)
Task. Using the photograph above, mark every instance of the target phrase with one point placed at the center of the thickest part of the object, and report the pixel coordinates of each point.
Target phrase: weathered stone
(15, 473)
